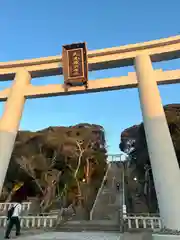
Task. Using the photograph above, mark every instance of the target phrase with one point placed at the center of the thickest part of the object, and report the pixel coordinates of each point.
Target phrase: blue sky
(30, 29)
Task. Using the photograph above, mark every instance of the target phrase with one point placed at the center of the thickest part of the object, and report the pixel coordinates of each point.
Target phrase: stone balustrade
(6, 206)
(141, 222)
(33, 221)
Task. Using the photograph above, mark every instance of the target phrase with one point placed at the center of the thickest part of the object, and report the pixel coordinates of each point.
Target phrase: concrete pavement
(73, 236)
(40, 234)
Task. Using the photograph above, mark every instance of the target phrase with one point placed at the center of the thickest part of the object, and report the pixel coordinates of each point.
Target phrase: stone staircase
(105, 214)
(110, 199)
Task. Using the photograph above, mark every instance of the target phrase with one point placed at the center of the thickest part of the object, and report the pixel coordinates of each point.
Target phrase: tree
(29, 167)
(76, 154)
(75, 149)
(81, 155)
(51, 178)
(16, 187)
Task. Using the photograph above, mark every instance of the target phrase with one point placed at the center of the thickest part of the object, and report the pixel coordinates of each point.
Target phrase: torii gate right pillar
(165, 168)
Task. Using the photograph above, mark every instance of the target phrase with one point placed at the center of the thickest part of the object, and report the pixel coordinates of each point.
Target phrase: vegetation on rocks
(58, 165)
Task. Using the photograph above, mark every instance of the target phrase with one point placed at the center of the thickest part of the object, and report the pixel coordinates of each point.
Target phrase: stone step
(113, 206)
(138, 236)
(106, 199)
(95, 225)
(106, 216)
(109, 210)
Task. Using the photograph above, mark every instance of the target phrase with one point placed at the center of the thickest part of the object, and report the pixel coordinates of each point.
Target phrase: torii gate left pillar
(9, 123)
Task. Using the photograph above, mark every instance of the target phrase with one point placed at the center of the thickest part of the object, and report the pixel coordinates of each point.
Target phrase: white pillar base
(165, 168)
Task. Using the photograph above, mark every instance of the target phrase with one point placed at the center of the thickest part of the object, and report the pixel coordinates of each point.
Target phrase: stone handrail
(33, 221)
(99, 192)
(122, 189)
(122, 210)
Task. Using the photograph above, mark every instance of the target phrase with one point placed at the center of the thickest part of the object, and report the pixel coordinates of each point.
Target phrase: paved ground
(66, 236)
(39, 234)
(24, 234)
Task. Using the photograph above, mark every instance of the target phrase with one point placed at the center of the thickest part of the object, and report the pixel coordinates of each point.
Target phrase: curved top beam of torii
(159, 50)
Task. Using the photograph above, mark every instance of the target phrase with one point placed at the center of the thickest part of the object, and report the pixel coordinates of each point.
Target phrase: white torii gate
(163, 159)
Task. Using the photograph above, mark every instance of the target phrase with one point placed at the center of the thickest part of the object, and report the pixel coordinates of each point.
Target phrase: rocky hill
(133, 142)
(58, 165)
